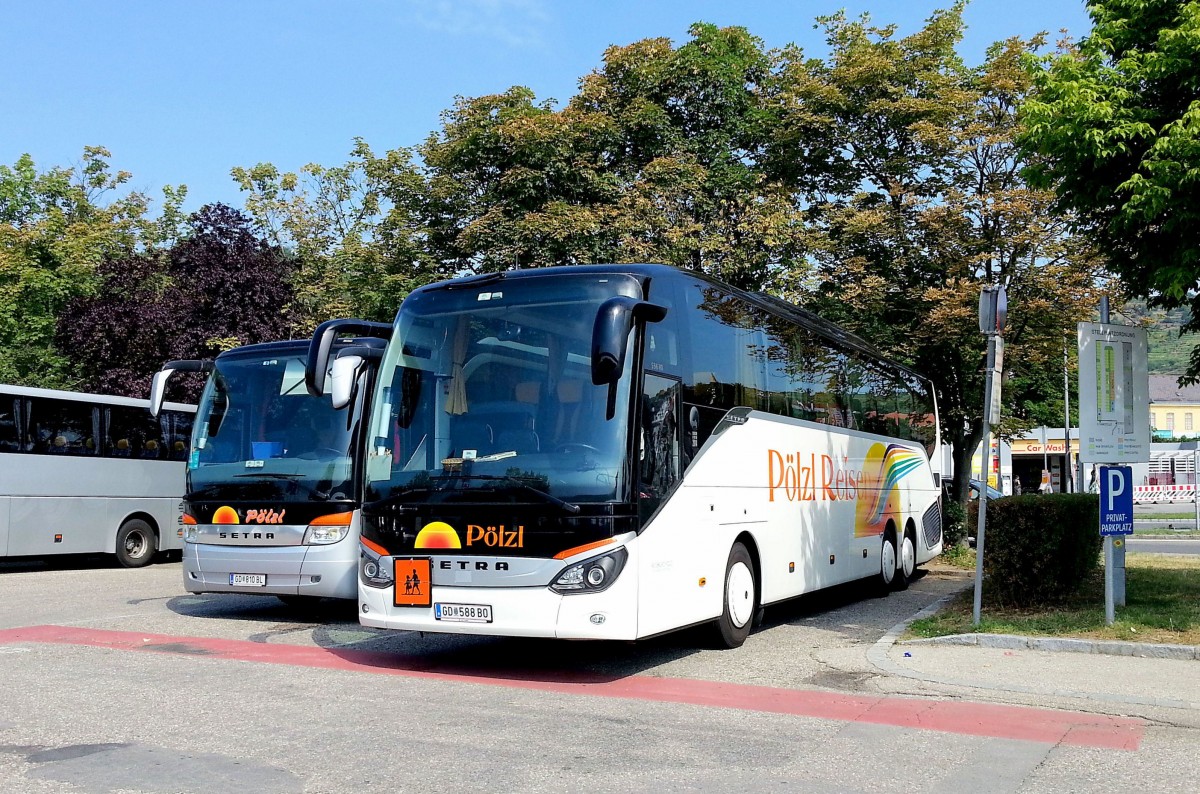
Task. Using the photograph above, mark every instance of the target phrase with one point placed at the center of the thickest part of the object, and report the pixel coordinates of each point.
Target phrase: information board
(1114, 398)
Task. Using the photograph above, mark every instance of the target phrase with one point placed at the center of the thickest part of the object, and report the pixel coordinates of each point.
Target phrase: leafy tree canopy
(913, 185)
(1115, 122)
(219, 286)
(56, 227)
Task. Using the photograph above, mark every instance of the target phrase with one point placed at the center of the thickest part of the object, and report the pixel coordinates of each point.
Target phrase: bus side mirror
(158, 383)
(158, 389)
(321, 346)
(343, 377)
(610, 334)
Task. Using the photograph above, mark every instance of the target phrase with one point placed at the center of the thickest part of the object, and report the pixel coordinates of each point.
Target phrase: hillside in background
(1169, 352)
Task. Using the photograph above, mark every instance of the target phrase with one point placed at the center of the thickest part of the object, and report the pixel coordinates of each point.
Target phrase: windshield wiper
(546, 497)
(196, 494)
(394, 498)
(292, 478)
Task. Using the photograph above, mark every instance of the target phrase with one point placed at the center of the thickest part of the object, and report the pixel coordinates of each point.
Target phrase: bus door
(660, 459)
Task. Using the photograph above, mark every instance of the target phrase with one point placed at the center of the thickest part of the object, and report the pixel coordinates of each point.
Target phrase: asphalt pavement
(1163, 545)
(116, 681)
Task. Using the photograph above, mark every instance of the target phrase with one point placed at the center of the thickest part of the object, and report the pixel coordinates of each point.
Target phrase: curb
(877, 655)
(1144, 650)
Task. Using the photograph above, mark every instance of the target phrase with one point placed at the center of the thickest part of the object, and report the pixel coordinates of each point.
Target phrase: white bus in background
(274, 474)
(89, 473)
(618, 451)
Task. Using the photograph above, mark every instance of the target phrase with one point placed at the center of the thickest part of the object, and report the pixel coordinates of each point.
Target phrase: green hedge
(1039, 548)
(954, 523)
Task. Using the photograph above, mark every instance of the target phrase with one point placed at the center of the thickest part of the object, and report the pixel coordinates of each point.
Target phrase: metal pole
(985, 455)
(1045, 460)
(1068, 484)
(1110, 610)
(1114, 557)
(1196, 479)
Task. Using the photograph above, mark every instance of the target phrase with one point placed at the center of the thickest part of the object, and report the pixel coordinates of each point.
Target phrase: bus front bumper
(318, 571)
(515, 611)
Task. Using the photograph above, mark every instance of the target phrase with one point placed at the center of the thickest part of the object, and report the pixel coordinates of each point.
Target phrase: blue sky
(182, 92)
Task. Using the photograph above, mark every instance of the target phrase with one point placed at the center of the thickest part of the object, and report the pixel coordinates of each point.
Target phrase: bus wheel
(887, 562)
(741, 601)
(136, 543)
(908, 562)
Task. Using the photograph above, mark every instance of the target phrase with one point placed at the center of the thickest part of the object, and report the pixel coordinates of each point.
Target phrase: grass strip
(1162, 593)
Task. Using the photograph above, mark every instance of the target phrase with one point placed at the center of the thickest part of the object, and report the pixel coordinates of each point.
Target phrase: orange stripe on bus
(375, 547)
(332, 520)
(562, 555)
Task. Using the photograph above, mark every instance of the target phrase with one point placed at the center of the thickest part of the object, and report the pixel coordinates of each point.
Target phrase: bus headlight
(593, 575)
(374, 570)
(327, 529)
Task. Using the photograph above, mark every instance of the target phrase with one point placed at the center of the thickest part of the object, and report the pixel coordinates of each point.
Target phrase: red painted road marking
(976, 719)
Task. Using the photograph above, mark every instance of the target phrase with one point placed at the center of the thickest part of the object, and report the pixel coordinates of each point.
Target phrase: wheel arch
(144, 516)
(747, 540)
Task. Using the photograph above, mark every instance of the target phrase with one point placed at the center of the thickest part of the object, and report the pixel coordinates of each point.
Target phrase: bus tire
(907, 564)
(887, 562)
(740, 599)
(136, 543)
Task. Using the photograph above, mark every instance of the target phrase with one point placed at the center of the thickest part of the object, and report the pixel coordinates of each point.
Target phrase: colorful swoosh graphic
(879, 492)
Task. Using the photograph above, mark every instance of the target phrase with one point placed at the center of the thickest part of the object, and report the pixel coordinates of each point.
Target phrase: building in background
(1174, 409)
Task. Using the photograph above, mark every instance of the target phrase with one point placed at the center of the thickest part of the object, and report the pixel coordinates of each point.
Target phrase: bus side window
(63, 427)
(179, 434)
(10, 436)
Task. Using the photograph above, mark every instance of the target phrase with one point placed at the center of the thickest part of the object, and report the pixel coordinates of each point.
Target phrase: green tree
(1115, 125)
(354, 229)
(515, 183)
(56, 226)
(218, 286)
(654, 160)
(906, 161)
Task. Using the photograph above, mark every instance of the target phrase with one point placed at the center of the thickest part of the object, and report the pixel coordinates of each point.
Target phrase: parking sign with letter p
(1116, 500)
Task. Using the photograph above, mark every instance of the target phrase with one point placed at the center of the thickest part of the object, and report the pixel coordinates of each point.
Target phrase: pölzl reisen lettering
(810, 478)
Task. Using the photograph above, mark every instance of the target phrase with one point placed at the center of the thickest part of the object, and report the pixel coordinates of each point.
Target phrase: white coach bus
(89, 473)
(618, 451)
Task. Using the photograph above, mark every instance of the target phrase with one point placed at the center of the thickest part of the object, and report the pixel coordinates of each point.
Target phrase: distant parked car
(992, 493)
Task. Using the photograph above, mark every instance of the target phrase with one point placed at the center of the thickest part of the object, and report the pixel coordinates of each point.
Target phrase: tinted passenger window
(729, 350)
(178, 426)
(61, 427)
(133, 433)
(10, 439)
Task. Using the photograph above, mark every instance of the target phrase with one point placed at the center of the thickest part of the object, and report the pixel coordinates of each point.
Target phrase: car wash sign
(1116, 500)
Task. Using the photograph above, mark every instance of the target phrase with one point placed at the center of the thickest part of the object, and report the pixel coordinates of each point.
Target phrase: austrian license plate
(463, 613)
(248, 579)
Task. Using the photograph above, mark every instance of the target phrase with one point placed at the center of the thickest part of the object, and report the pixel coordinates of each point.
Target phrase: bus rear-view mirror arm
(610, 338)
(158, 383)
(323, 338)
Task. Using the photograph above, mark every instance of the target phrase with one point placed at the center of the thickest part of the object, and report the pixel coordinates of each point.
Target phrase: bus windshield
(485, 394)
(260, 435)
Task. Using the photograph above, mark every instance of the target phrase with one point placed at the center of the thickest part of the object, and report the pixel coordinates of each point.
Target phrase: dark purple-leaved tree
(219, 286)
